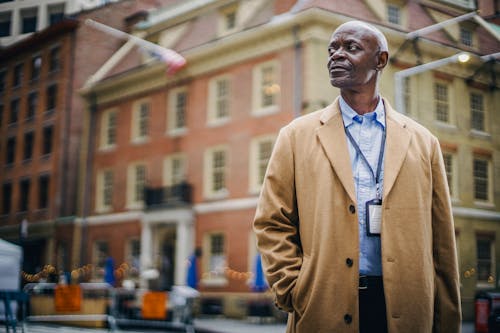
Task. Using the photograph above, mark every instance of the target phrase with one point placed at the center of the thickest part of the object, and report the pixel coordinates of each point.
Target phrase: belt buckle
(363, 282)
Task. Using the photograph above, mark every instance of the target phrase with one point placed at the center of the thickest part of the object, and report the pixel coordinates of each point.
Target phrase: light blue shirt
(367, 131)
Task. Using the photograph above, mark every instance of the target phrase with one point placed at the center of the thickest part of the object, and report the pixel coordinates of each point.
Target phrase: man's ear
(383, 57)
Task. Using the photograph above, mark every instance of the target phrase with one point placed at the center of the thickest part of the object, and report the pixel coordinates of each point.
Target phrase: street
(202, 325)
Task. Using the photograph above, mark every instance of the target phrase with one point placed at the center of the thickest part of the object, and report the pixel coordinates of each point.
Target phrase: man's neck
(359, 102)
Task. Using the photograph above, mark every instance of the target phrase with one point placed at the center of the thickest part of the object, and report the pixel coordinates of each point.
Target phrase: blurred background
(136, 158)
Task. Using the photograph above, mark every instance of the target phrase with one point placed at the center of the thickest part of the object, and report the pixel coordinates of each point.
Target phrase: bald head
(370, 29)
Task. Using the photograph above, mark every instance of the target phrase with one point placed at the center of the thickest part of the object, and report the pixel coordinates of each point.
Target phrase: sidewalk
(224, 325)
(202, 325)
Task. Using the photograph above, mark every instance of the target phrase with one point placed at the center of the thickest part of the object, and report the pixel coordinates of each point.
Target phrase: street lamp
(400, 75)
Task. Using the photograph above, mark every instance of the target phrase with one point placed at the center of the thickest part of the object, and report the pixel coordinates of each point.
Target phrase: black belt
(369, 282)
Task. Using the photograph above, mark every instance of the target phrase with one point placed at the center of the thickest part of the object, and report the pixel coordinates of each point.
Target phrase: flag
(172, 59)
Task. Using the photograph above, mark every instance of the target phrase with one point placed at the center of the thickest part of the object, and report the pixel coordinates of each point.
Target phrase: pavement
(202, 325)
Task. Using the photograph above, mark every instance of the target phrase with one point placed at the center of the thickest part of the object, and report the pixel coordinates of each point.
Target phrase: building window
(485, 260)
(51, 98)
(55, 13)
(441, 102)
(177, 115)
(105, 190)
(36, 65)
(266, 88)
(216, 172)
(28, 20)
(14, 111)
(141, 118)
(29, 139)
(54, 59)
(133, 254)
(11, 150)
(482, 187)
(47, 139)
(100, 254)
(216, 260)
(43, 191)
(109, 128)
(227, 19)
(136, 185)
(24, 187)
(466, 36)
(260, 152)
(393, 14)
(5, 24)
(6, 198)
(449, 165)
(218, 100)
(174, 169)
(477, 111)
(17, 78)
(32, 105)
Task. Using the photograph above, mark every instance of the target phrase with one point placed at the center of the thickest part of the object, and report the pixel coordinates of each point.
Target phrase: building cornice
(277, 34)
(475, 213)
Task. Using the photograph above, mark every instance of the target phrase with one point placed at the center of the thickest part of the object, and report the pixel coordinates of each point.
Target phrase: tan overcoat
(307, 228)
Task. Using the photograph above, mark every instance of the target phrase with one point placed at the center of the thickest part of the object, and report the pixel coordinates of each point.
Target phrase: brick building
(41, 114)
(252, 67)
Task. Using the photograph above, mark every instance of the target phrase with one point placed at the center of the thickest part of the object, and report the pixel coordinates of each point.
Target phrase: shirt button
(347, 319)
(352, 209)
(349, 262)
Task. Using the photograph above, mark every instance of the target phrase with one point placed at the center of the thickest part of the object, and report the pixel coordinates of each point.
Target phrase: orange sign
(154, 305)
(67, 298)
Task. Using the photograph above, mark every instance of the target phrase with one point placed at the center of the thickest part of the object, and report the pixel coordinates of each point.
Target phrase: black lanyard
(376, 175)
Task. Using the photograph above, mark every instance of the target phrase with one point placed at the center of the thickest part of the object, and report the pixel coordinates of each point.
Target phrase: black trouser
(372, 312)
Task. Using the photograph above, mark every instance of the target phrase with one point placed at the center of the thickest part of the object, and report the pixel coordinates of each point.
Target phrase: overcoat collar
(332, 137)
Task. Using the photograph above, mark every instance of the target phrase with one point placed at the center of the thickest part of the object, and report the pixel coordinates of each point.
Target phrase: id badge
(374, 217)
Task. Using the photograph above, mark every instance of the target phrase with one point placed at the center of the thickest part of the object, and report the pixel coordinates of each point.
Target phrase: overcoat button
(349, 262)
(348, 319)
(352, 209)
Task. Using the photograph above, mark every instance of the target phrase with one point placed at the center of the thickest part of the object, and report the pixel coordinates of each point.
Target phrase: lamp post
(399, 76)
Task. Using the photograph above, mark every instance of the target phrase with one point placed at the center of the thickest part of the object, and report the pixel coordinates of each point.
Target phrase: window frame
(173, 127)
(488, 283)
(135, 200)
(259, 109)
(488, 181)
(104, 190)
(170, 176)
(213, 274)
(255, 167)
(141, 121)
(210, 174)
(214, 118)
(109, 131)
(441, 102)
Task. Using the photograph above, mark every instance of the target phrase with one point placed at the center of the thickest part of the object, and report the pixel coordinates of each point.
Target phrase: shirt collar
(349, 115)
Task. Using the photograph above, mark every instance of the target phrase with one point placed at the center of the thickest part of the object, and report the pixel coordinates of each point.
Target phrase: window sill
(445, 126)
(218, 122)
(484, 204)
(480, 134)
(176, 132)
(221, 194)
(140, 140)
(266, 111)
(107, 149)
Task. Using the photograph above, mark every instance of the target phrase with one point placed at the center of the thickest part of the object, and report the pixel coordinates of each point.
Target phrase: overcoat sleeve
(276, 223)
(447, 312)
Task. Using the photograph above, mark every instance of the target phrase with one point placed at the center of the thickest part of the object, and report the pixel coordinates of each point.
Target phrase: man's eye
(353, 47)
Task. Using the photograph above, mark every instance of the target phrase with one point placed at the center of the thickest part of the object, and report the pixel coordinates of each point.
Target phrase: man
(354, 220)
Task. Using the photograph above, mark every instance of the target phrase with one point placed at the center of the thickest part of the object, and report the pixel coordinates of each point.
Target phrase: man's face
(353, 57)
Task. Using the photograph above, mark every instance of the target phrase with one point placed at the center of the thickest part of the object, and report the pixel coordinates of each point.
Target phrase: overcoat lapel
(332, 137)
(396, 147)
